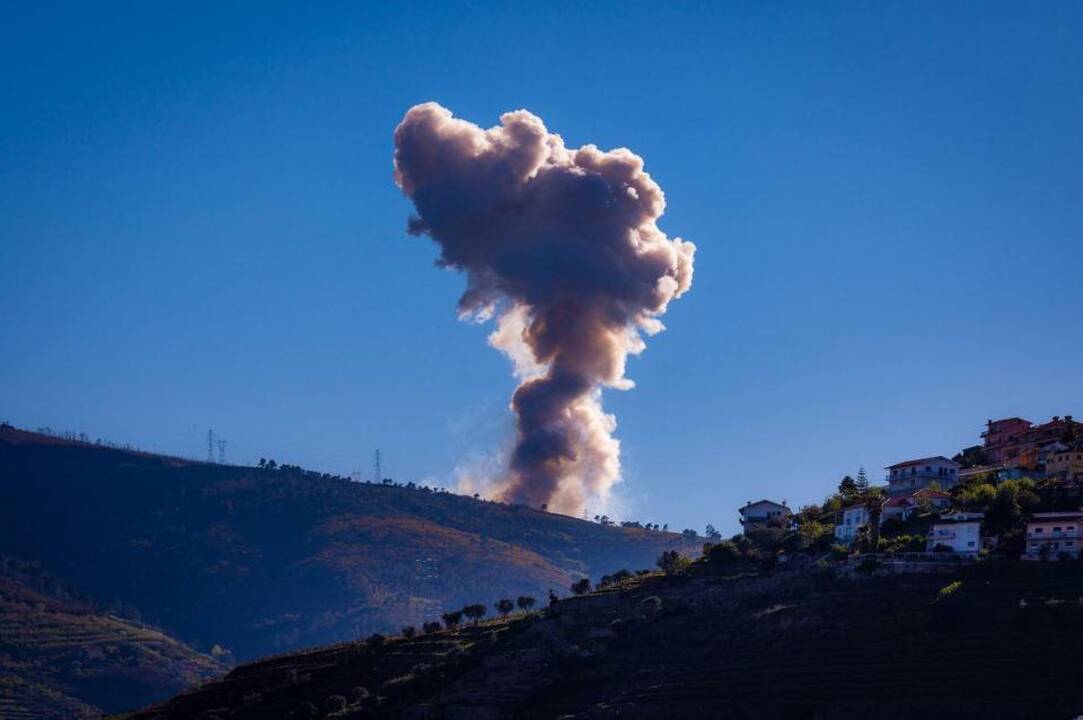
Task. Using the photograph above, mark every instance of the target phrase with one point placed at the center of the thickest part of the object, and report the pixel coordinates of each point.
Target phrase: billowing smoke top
(562, 247)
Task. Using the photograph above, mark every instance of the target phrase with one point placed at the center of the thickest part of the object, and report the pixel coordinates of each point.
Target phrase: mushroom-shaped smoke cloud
(562, 247)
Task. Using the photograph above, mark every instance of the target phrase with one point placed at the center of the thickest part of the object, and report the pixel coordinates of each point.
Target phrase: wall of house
(964, 537)
(1060, 535)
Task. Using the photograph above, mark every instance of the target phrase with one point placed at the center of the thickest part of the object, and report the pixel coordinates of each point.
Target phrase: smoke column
(561, 246)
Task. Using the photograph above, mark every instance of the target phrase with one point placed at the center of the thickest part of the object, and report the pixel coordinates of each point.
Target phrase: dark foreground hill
(258, 561)
(983, 642)
(61, 656)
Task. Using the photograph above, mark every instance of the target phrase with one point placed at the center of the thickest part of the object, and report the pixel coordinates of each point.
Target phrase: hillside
(261, 561)
(60, 656)
(988, 641)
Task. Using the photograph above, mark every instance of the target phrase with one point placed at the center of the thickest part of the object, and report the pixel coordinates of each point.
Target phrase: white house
(765, 513)
(906, 477)
(1057, 532)
(959, 532)
(851, 520)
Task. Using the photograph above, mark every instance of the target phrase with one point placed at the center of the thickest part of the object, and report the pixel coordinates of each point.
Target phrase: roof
(1046, 516)
(960, 518)
(929, 492)
(922, 461)
(760, 502)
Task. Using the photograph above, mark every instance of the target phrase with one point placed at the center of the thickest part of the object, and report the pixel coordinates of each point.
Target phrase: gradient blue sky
(198, 227)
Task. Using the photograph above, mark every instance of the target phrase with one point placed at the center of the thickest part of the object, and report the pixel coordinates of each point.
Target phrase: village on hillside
(1016, 495)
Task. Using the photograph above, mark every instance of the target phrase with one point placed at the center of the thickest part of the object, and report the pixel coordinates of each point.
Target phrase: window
(970, 544)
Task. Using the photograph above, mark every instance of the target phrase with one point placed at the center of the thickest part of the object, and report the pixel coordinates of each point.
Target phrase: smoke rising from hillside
(561, 246)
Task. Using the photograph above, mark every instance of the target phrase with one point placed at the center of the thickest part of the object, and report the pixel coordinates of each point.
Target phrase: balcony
(1063, 534)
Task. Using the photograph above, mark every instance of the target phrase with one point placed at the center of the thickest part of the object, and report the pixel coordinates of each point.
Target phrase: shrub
(376, 640)
(868, 565)
(672, 562)
(504, 606)
(581, 586)
(525, 602)
(409, 631)
(651, 605)
(430, 627)
(360, 694)
(452, 619)
(335, 703)
(948, 590)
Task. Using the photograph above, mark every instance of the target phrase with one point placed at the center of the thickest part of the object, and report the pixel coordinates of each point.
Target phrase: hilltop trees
(475, 612)
(452, 619)
(430, 627)
(581, 586)
(525, 602)
(504, 606)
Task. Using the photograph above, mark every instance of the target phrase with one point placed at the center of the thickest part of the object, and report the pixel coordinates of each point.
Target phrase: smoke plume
(561, 246)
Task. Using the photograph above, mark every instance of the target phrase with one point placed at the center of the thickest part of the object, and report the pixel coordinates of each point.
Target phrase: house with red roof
(902, 507)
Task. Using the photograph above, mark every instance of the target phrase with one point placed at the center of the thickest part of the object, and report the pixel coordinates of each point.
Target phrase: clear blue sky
(198, 227)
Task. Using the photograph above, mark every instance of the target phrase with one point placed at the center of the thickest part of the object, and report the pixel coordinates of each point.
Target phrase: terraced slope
(61, 657)
(1005, 643)
(262, 561)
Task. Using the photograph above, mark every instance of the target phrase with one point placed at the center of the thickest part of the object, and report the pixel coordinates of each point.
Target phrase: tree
(475, 612)
(409, 631)
(1004, 515)
(862, 482)
(712, 533)
(504, 606)
(671, 562)
(874, 505)
(848, 488)
(430, 627)
(553, 599)
(452, 619)
(525, 602)
(581, 586)
(689, 533)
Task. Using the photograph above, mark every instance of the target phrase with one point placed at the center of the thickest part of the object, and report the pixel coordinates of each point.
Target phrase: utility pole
(222, 451)
(210, 445)
(376, 469)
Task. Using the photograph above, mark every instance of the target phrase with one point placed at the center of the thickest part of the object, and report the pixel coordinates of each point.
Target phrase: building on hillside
(956, 532)
(965, 475)
(902, 507)
(851, 520)
(1065, 462)
(906, 477)
(764, 514)
(1051, 534)
(1017, 442)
